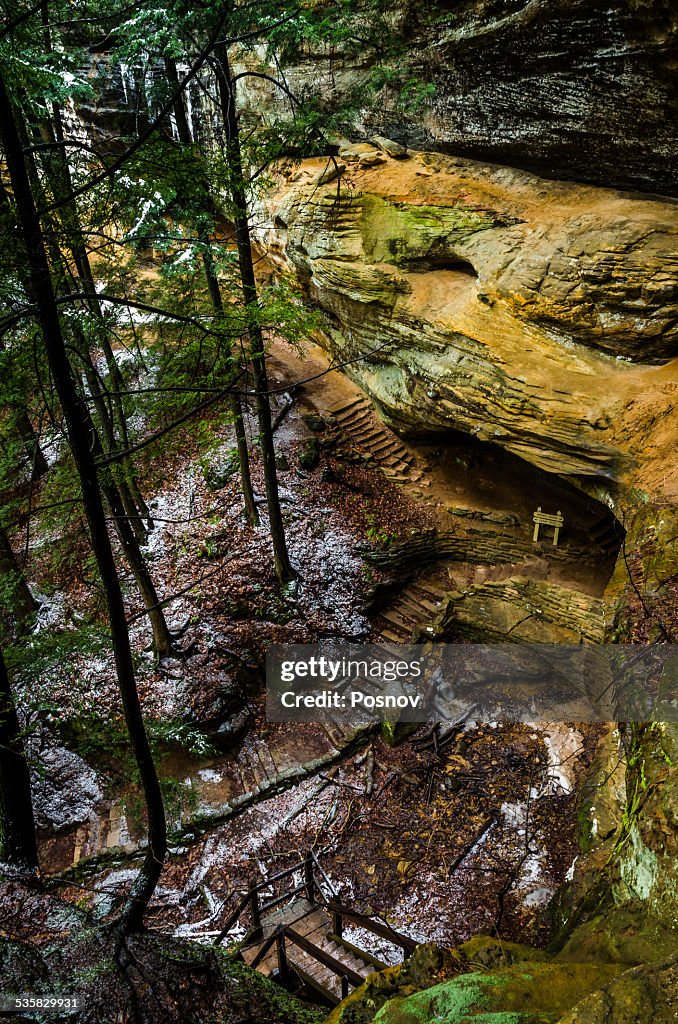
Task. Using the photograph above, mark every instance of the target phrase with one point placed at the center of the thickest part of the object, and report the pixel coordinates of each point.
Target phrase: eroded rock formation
(536, 315)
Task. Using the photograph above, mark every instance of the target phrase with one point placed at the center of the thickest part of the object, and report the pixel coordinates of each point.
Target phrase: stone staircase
(414, 607)
(260, 764)
(357, 421)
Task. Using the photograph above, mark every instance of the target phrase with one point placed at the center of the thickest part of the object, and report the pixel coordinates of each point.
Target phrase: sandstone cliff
(537, 315)
(581, 89)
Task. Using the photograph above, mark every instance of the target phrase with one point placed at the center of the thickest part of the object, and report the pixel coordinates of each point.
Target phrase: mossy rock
(309, 456)
(314, 422)
(529, 993)
(428, 966)
(642, 995)
(394, 732)
(624, 935)
(402, 234)
(490, 953)
(217, 475)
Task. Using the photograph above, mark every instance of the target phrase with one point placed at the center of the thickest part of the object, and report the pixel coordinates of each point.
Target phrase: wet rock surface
(66, 790)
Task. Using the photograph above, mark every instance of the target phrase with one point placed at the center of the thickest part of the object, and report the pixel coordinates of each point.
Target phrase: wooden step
(401, 634)
(395, 465)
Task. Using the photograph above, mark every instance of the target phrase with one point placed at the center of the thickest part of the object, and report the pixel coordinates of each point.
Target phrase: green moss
(259, 990)
(528, 993)
(401, 234)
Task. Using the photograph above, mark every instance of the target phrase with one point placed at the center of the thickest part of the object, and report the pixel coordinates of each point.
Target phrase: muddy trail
(451, 833)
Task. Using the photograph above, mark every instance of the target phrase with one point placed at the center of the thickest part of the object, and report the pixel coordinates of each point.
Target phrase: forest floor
(475, 837)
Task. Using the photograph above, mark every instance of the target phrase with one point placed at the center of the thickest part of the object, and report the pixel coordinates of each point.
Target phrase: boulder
(646, 993)
(66, 790)
(362, 153)
(309, 455)
(393, 149)
(218, 472)
(330, 173)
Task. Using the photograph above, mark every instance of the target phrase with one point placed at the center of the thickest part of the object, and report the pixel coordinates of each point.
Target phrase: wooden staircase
(295, 934)
(359, 423)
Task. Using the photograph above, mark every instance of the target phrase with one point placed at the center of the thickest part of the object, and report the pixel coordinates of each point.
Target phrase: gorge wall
(582, 89)
(536, 315)
(572, 89)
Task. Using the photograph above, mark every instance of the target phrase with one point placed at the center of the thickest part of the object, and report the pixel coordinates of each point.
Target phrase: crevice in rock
(430, 263)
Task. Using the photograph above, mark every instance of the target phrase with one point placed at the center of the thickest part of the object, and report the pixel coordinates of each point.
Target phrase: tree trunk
(23, 420)
(183, 130)
(119, 497)
(238, 188)
(162, 638)
(80, 434)
(58, 174)
(236, 408)
(216, 299)
(17, 826)
(31, 445)
(24, 605)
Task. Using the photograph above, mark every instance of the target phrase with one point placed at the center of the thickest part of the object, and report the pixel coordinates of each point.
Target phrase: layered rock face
(582, 89)
(539, 316)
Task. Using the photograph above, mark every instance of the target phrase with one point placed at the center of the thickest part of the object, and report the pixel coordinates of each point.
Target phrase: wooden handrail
(232, 919)
(315, 985)
(265, 882)
(257, 908)
(265, 907)
(384, 931)
(263, 951)
(362, 954)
